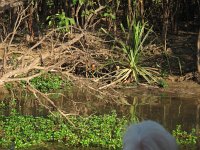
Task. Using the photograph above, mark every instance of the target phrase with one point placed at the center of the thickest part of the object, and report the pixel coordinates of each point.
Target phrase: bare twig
(36, 93)
(92, 15)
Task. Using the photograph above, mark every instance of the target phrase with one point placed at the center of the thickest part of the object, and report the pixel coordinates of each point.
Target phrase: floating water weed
(100, 131)
(103, 131)
(185, 139)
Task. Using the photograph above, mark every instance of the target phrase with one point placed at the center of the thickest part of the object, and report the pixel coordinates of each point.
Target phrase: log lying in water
(6, 4)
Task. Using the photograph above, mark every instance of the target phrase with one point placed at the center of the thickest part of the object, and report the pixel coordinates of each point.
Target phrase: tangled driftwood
(6, 4)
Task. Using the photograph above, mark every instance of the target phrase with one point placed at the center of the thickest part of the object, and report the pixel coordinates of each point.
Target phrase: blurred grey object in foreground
(148, 135)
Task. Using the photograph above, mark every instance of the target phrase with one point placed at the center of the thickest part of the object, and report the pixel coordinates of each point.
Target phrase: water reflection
(169, 111)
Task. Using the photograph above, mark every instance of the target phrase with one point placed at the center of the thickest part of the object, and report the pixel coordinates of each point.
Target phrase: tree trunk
(43, 10)
(198, 53)
(30, 23)
(165, 22)
(141, 10)
(175, 10)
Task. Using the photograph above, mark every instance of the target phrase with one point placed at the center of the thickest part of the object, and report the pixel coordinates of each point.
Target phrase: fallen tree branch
(36, 93)
(9, 76)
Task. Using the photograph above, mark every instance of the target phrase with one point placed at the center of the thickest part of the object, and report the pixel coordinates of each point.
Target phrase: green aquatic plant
(100, 131)
(49, 82)
(104, 131)
(185, 139)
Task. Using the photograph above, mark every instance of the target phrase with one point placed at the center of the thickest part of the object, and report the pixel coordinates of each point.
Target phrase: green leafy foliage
(184, 138)
(109, 14)
(49, 82)
(162, 83)
(50, 3)
(103, 131)
(8, 86)
(81, 2)
(74, 2)
(60, 20)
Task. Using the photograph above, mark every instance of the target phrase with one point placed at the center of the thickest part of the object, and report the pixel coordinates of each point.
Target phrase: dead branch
(9, 76)
(92, 15)
(39, 94)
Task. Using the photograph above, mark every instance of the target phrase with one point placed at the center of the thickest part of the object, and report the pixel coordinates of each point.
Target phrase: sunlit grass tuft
(133, 49)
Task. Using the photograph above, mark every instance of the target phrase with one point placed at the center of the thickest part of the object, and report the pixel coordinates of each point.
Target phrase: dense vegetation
(57, 22)
(105, 131)
(48, 45)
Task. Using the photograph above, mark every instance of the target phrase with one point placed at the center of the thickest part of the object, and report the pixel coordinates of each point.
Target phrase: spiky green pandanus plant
(133, 49)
